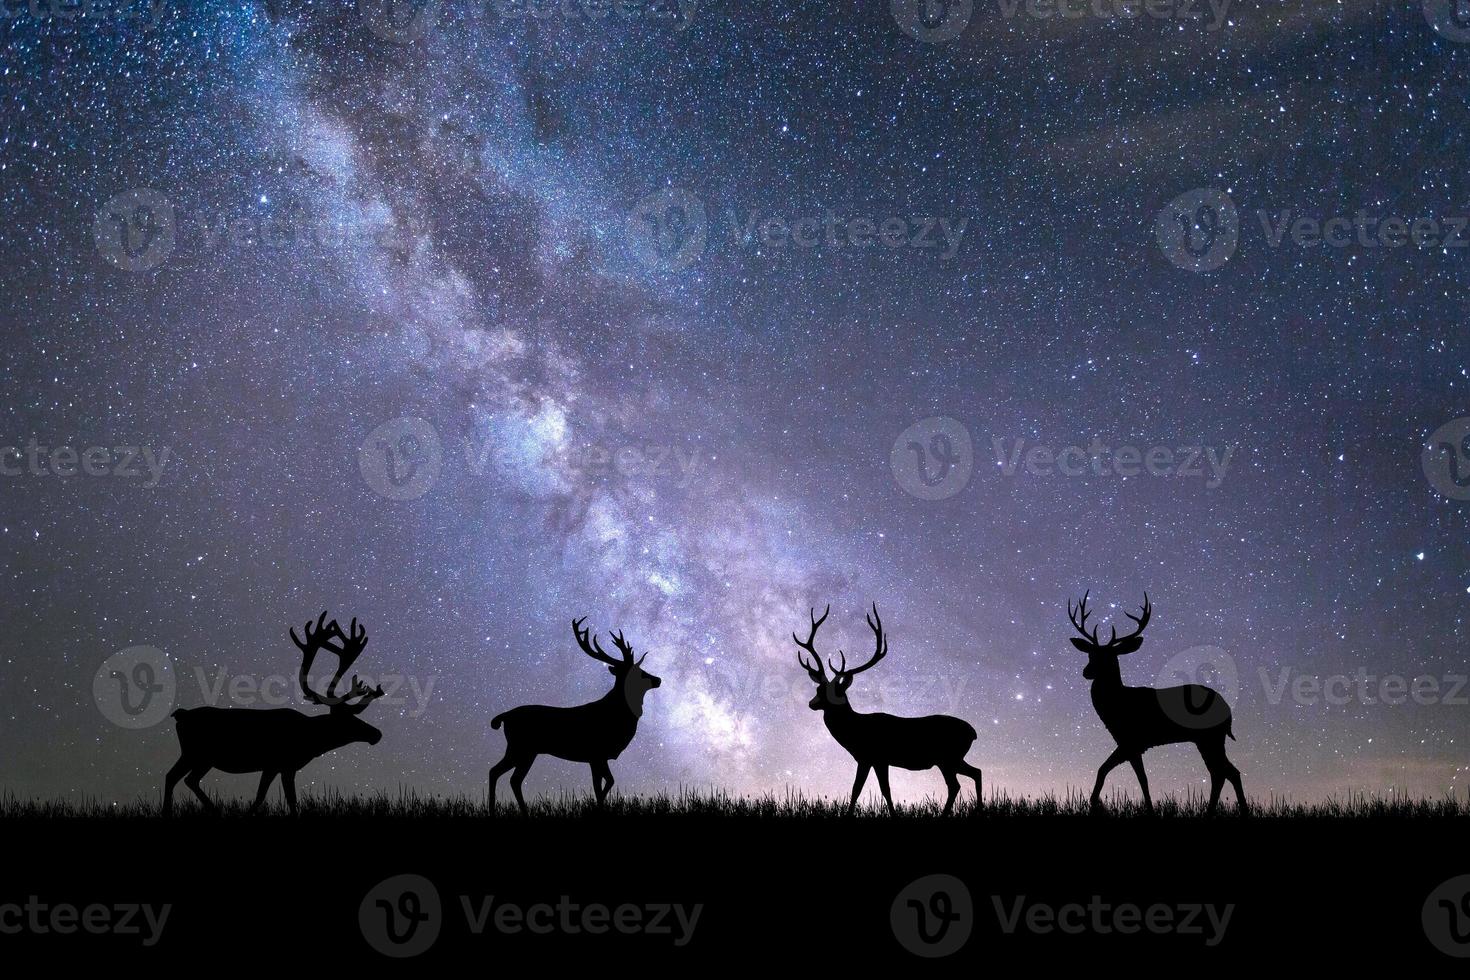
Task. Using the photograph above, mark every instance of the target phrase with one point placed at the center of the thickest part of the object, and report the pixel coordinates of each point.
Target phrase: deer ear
(1128, 645)
(613, 671)
(1082, 644)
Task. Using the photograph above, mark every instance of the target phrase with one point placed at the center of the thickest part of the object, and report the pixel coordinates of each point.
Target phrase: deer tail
(495, 722)
(1230, 733)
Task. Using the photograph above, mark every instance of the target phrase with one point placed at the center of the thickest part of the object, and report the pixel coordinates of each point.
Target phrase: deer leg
(1228, 770)
(1233, 774)
(602, 780)
(966, 769)
(192, 781)
(883, 787)
(1137, 762)
(288, 786)
(500, 768)
(265, 785)
(857, 786)
(951, 783)
(174, 775)
(1222, 770)
(518, 777)
(1217, 783)
(1112, 762)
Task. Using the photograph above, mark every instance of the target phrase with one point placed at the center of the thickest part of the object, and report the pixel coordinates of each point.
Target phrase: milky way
(687, 318)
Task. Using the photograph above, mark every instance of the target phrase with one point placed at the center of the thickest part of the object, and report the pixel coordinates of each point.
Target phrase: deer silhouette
(876, 740)
(594, 733)
(1141, 718)
(276, 741)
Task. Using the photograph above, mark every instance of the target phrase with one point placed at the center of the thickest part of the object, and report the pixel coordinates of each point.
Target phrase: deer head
(832, 690)
(631, 677)
(343, 712)
(1102, 658)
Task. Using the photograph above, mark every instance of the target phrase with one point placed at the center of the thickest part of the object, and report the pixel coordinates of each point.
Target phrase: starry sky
(469, 324)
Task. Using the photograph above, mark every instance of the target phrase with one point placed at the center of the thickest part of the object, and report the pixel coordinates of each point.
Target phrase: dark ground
(781, 884)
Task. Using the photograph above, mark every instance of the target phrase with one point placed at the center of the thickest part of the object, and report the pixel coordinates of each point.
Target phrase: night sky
(694, 428)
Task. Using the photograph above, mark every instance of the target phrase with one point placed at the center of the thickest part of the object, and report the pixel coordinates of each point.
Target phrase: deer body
(594, 733)
(907, 743)
(1142, 718)
(275, 741)
(598, 731)
(879, 741)
(279, 739)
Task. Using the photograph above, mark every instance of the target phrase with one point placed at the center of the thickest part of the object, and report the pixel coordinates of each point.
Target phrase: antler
(1113, 638)
(1081, 625)
(625, 648)
(817, 673)
(879, 645)
(359, 690)
(317, 639)
(880, 650)
(587, 640)
(1142, 619)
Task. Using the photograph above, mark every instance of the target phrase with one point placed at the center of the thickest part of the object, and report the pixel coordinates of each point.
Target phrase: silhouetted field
(716, 805)
(779, 881)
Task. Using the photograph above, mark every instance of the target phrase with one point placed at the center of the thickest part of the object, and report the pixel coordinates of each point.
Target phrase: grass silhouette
(720, 805)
